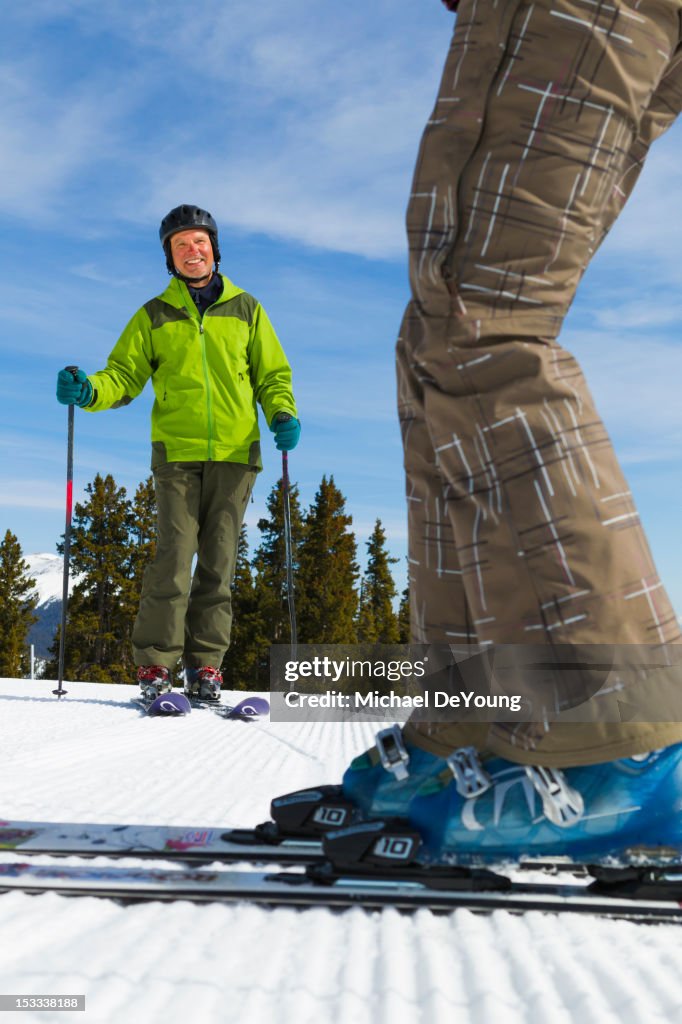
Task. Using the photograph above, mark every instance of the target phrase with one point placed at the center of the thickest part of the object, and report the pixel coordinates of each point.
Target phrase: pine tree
(97, 641)
(142, 530)
(377, 622)
(270, 583)
(405, 636)
(17, 603)
(141, 549)
(242, 663)
(326, 596)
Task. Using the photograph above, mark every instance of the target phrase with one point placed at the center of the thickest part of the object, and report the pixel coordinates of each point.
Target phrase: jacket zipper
(207, 380)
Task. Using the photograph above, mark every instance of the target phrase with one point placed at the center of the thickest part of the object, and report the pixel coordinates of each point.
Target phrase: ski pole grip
(73, 370)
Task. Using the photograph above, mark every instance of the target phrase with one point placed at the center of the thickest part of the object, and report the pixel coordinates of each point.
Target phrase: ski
(651, 897)
(200, 845)
(296, 838)
(175, 703)
(167, 705)
(191, 845)
(247, 710)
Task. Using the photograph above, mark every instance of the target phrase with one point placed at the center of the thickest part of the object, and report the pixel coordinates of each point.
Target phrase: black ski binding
(637, 882)
(389, 849)
(312, 812)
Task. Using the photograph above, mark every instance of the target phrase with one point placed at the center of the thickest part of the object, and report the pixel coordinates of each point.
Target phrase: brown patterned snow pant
(522, 529)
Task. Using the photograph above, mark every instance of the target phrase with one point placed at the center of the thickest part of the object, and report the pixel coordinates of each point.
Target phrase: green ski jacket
(207, 372)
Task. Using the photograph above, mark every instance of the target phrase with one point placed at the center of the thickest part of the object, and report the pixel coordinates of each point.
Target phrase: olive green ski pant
(522, 528)
(200, 509)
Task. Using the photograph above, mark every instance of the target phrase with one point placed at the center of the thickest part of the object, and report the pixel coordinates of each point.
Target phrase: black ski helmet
(184, 218)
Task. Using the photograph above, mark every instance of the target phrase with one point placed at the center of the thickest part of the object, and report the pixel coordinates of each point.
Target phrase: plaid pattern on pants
(522, 528)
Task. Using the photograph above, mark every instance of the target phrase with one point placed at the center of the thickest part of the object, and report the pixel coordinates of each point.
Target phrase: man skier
(522, 529)
(212, 354)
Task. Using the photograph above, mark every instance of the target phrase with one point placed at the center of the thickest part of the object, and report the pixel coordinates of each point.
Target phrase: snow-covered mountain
(47, 570)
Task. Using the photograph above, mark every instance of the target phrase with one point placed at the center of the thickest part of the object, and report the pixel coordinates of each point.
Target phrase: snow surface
(91, 757)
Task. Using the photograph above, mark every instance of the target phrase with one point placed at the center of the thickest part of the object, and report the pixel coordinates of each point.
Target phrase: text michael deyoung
(375, 699)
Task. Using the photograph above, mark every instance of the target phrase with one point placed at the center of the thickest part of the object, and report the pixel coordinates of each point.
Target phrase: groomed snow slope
(91, 757)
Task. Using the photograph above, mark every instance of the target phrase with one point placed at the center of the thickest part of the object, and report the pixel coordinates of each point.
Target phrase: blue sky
(297, 125)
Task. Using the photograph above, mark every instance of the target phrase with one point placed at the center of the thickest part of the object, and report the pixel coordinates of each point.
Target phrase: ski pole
(60, 691)
(288, 546)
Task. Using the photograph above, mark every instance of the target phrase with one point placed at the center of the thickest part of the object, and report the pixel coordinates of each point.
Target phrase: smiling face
(192, 255)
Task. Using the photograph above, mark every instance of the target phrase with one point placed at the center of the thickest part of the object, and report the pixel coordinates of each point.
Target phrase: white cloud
(635, 382)
(641, 313)
(297, 122)
(98, 274)
(290, 202)
(363, 392)
(647, 231)
(300, 121)
(333, 170)
(31, 493)
(48, 139)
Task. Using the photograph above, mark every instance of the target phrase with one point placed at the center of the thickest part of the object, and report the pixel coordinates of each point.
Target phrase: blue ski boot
(628, 810)
(383, 780)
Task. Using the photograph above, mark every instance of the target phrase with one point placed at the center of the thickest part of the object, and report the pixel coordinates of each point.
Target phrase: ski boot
(627, 809)
(203, 683)
(153, 680)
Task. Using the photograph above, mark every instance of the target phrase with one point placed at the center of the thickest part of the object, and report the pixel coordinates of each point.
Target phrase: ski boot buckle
(471, 779)
(393, 752)
(562, 804)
